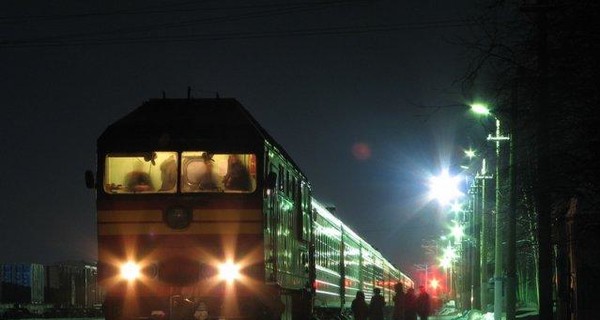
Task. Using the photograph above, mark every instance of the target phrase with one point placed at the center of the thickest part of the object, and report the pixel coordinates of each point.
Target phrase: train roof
(186, 123)
(161, 122)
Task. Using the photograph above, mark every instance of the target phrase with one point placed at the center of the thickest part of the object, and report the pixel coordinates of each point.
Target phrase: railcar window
(202, 171)
(150, 172)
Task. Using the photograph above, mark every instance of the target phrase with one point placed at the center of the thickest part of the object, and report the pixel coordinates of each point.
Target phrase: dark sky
(320, 76)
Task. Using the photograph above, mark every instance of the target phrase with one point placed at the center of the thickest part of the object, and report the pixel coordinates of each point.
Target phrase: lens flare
(130, 271)
(361, 151)
(229, 271)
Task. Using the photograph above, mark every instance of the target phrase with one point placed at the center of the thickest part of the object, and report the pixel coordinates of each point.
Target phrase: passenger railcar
(201, 214)
(345, 264)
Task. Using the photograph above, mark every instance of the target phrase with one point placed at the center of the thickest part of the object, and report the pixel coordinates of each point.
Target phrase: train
(201, 214)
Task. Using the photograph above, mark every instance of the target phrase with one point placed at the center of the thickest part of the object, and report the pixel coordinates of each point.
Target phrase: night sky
(337, 83)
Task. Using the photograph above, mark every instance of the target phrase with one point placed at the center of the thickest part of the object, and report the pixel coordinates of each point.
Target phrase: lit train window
(202, 171)
(149, 172)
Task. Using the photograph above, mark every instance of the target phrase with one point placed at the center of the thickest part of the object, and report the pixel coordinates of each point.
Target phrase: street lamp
(470, 153)
(456, 208)
(444, 188)
(480, 108)
(457, 232)
(510, 216)
(449, 255)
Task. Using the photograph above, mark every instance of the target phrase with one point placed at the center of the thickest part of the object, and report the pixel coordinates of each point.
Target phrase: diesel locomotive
(201, 214)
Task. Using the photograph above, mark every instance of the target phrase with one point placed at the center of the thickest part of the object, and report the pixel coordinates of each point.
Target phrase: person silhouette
(410, 305)
(168, 174)
(237, 176)
(377, 305)
(423, 304)
(208, 179)
(359, 307)
(398, 302)
(138, 180)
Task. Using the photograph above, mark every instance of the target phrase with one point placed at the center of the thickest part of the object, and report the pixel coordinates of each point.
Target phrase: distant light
(449, 253)
(457, 232)
(434, 284)
(445, 262)
(456, 207)
(470, 153)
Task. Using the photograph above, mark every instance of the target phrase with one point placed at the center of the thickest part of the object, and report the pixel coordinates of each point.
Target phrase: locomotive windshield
(195, 172)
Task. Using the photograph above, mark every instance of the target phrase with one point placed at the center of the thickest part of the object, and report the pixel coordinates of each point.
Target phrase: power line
(161, 9)
(331, 31)
(220, 19)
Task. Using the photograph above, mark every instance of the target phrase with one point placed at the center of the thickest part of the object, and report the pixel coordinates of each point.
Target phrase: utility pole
(480, 277)
(474, 246)
(499, 221)
(483, 242)
(424, 267)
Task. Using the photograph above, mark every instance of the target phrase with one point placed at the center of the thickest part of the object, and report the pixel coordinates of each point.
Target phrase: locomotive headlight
(229, 271)
(130, 271)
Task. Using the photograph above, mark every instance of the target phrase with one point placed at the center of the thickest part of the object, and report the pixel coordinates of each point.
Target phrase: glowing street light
(444, 188)
(480, 108)
(450, 253)
(457, 232)
(470, 153)
(456, 207)
(445, 262)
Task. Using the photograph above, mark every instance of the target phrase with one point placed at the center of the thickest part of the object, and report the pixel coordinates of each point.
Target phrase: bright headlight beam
(229, 271)
(130, 271)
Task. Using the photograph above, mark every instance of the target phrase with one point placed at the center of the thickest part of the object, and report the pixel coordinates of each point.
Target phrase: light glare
(130, 271)
(456, 207)
(480, 108)
(470, 153)
(445, 262)
(457, 232)
(449, 253)
(229, 271)
(444, 188)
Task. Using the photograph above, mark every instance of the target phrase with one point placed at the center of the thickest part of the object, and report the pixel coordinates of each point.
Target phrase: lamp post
(509, 218)
(481, 207)
(473, 216)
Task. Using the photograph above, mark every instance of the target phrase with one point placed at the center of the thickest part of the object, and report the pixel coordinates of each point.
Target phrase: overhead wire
(342, 30)
(103, 37)
(159, 9)
(301, 7)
